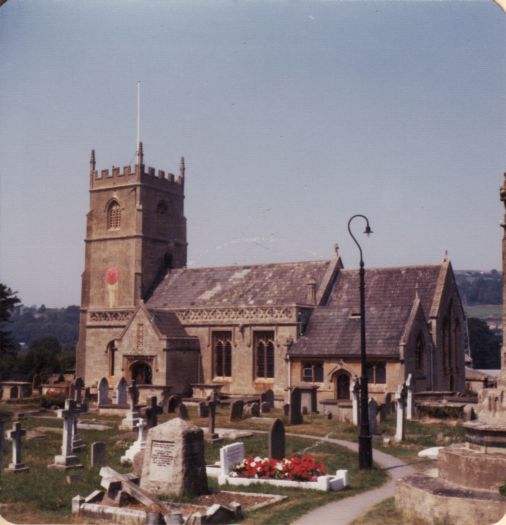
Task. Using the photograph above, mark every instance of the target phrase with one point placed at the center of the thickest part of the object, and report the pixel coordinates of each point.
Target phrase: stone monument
(67, 459)
(130, 422)
(354, 394)
(174, 463)
(277, 440)
(400, 427)
(15, 436)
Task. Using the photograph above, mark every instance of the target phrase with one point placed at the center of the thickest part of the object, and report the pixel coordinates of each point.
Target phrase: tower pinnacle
(181, 167)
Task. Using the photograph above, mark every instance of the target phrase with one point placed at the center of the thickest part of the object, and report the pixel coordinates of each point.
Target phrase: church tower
(135, 232)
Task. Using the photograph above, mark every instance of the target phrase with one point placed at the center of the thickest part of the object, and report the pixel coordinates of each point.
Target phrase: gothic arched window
(222, 350)
(264, 354)
(113, 216)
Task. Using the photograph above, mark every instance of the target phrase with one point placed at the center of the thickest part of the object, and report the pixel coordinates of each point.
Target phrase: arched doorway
(342, 385)
(142, 373)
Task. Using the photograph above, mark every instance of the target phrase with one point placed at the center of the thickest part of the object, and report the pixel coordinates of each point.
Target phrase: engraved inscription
(162, 457)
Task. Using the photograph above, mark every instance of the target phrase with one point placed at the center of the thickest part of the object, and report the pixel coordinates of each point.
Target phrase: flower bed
(296, 468)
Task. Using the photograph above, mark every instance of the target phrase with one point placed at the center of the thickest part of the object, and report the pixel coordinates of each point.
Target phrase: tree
(43, 358)
(8, 301)
(485, 345)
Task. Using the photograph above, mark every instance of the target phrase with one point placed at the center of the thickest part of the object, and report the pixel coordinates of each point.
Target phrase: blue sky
(292, 117)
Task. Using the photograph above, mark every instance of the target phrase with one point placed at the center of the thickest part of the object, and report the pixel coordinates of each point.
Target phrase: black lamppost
(364, 436)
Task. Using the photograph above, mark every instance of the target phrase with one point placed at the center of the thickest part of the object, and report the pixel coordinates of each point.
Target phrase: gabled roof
(262, 284)
(390, 295)
(168, 324)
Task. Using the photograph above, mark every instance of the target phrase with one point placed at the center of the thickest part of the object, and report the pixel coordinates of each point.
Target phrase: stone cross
(15, 436)
(134, 395)
(78, 390)
(212, 417)
(400, 397)
(122, 392)
(66, 459)
(410, 400)
(136, 447)
(277, 440)
(373, 410)
(354, 393)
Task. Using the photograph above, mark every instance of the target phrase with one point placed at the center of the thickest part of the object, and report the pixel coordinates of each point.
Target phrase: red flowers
(297, 468)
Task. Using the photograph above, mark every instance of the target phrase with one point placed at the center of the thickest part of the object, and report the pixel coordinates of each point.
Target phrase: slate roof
(168, 324)
(263, 284)
(334, 329)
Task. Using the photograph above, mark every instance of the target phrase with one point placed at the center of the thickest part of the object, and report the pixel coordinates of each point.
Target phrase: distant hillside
(479, 287)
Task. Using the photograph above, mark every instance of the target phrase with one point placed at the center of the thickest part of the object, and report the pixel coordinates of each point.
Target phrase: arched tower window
(113, 216)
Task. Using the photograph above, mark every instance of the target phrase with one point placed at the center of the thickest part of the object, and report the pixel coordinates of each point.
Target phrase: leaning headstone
(174, 463)
(236, 410)
(67, 459)
(230, 456)
(400, 397)
(354, 393)
(98, 456)
(295, 415)
(255, 410)
(410, 397)
(173, 403)
(183, 411)
(265, 407)
(137, 446)
(372, 411)
(122, 392)
(203, 409)
(277, 440)
(15, 436)
(103, 392)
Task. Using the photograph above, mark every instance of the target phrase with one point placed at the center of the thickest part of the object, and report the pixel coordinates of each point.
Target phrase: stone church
(249, 328)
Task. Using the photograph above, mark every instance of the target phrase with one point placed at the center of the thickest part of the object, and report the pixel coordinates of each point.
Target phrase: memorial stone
(133, 417)
(372, 411)
(78, 390)
(152, 412)
(267, 397)
(212, 419)
(173, 403)
(98, 456)
(103, 392)
(137, 446)
(400, 397)
(354, 392)
(236, 410)
(230, 456)
(255, 410)
(174, 463)
(15, 436)
(183, 411)
(295, 414)
(266, 407)
(203, 409)
(410, 397)
(66, 459)
(277, 440)
(286, 409)
(122, 392)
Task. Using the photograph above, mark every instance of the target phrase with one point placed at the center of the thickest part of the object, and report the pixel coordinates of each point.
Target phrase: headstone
(78, 390)
(410, 398)
(400, 397)
(295, 414)
(173, 403)
(134, 395)
(103, 392)
(277, 440)
(373, 411)
(183, 411)
(266, 407)
(98, 456)
(354, 393)
(286, 409)
(267, 397)
(15, 436)
(132, 419)
(174, 462)
(203, 409)
(122, 392)
(67, 459)
(230, 456)
(136, 447)
(212, 419)
(255, 410)
(236, 409)
(152, 412)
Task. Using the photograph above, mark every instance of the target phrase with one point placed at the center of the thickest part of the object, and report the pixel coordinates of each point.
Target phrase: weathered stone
(372, 412)
(255, 410)
(103, 392)
(267, 397)
(286, 409)
(266, 407)
(172, 403)
(152, 412)
(277, 440)
(122, 392)
(174, 461)
(295, 415)
(183, 411)
(98, 454)
(354, 393)
(400, 397)
(230, 456)
(236, 410)
(203, 409)
(15, 436)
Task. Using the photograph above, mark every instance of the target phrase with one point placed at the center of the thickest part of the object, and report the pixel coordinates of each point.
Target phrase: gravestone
(203, 409)
(174, 462)
(354, 392)
(173, 403)
(295, 413)
(236, 409)
(230, 456)
(103, 392)
(15, 436)
(132, 419)
(277, 440)
(400, 397)
(67, 459)
(266, 407)
(122, 392)
(79, 391)
(152, 412)
(98, 456)
(137, 446)
(267, 397)
(183, 411)
(372, 411)
(410, 397)
(286, 409)
(255, 410)
(212, 419)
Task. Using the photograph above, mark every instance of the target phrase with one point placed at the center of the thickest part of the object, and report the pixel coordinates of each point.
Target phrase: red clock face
(111, 275)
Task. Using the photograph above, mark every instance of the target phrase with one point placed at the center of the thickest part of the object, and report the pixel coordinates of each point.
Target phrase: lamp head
(368, 230)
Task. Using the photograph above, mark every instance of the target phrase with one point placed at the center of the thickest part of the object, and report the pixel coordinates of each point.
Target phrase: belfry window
(264, 354)
(113, 216)
(222, 354)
